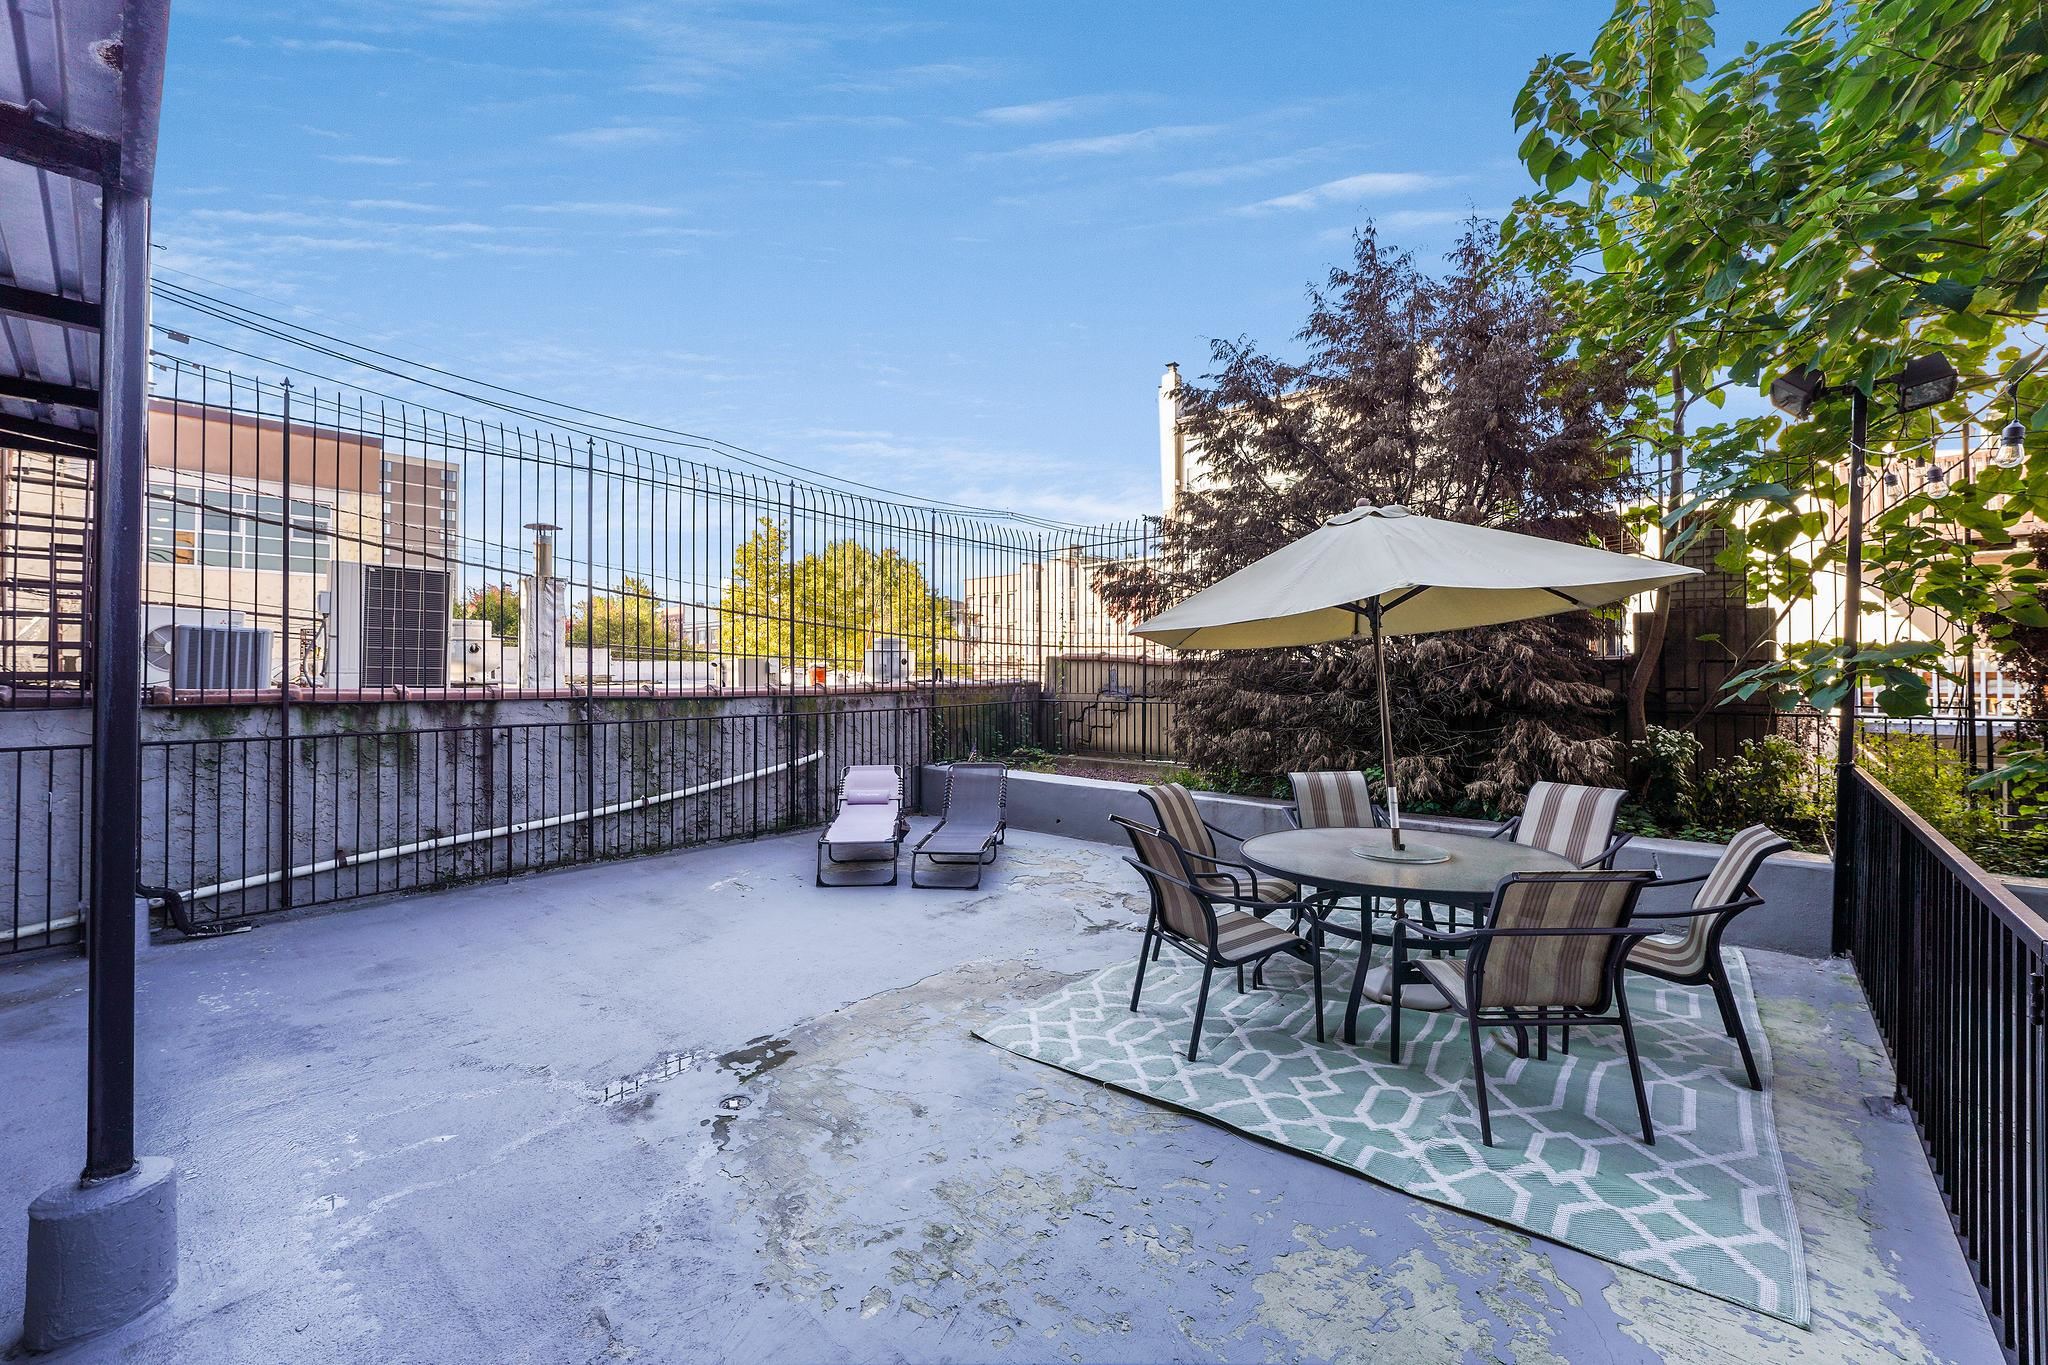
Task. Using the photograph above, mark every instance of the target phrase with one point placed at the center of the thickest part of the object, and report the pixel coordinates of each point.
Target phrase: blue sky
(945, 248)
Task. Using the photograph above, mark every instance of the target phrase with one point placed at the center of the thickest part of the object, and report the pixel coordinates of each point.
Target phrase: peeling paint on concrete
(393, 1153)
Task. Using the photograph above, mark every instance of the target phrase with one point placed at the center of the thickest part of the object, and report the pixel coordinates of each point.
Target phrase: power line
(294, 334)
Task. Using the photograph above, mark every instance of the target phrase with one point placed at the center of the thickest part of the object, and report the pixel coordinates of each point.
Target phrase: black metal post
(117, 688)
(284, 641)
(1845, 741)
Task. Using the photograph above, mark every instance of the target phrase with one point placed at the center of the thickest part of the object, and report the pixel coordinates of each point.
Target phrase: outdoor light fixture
(1796, 393)
(1924, 382)
(2012, 442)
(1939, 485)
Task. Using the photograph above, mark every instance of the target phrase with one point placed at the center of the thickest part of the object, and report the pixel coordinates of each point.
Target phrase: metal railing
(373, 814)
(1956, 971)
(343, 545)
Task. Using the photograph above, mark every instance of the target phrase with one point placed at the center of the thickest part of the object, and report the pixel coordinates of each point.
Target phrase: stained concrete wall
(1796, 915)
(366, 778)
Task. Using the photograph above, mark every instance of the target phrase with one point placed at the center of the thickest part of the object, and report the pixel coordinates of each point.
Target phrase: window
(217, 528)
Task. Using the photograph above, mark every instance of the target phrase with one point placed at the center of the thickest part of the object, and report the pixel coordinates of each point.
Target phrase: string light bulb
(2012, 442)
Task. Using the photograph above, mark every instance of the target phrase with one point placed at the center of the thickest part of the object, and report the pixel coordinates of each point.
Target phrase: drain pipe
(178, 904)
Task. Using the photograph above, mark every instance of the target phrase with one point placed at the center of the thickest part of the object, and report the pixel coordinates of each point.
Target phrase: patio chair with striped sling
(1551, 952)
(1216, 928)
(1692, 957)
(1574, 822)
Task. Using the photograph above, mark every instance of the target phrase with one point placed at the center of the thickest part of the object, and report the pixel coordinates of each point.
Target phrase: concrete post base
(99, 1255)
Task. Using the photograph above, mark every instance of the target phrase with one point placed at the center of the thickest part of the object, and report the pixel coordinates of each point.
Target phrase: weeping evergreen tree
(1457, 397)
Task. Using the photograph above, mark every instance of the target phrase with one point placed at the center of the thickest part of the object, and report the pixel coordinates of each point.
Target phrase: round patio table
(1330, 861)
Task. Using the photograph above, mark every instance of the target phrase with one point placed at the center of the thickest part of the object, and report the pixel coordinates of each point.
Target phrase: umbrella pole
(1379, 667)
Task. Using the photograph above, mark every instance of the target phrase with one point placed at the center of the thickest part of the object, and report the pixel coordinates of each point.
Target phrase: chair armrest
(1695, 912)
(1237, 839)
(1507, 828)
(1677, 881)
(1605, 857)
(1408, 928)
(1294, 817)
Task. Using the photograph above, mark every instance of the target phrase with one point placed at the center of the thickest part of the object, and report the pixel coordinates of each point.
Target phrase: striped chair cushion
(1575, 822)
(1240, 936)
(1269, 889)
(1559, 969)
(1179, 818)
(1448, 974)
(1340, 800)
(1685, 954)
(1180, 910)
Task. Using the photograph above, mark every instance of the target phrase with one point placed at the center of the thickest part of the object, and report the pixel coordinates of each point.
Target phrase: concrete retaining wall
(1797, 887)
(361, 779)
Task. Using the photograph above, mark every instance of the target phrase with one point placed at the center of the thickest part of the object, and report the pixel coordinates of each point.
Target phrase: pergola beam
(43, 391)
(66, 151)
(30, 303)
(68, 440)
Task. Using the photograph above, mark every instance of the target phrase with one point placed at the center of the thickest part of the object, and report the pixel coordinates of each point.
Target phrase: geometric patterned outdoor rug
(1707, 1207)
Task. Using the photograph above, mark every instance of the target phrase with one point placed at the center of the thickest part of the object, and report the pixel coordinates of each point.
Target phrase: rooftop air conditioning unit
(387, 626)
(203, 649)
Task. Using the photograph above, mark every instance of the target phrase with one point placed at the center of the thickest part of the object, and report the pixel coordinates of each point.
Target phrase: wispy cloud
(394, 206)
(1047, 111)
(600, 208)
(361, 159)
(1230, 173)
(614, 135)
(1115, 144)
(1349, 189)
(909, 77)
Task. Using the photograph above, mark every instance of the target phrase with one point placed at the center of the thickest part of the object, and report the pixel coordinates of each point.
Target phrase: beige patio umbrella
(1383, 571)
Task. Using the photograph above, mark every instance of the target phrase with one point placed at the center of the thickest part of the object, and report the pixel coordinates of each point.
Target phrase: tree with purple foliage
(1458, 397)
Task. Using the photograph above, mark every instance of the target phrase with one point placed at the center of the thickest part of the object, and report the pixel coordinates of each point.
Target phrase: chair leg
(1315, 972)
(1731, 1019)
(1635, 1067)
(1479, 1084)
(1201, 1008)
(1144, 951)
(1240, 977)
(1393, 1030)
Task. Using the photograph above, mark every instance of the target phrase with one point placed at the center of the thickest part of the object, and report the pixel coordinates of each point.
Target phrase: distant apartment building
(249, 525)
(1051, 607)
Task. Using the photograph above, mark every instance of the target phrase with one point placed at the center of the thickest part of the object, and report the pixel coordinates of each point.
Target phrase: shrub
(1772, 781)
(1664, 762)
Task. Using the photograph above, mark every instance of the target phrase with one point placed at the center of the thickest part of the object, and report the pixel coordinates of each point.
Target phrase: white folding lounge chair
(973, 826)
(870, 816)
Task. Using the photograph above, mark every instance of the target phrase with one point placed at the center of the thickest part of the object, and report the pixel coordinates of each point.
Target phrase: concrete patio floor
(395, 1146)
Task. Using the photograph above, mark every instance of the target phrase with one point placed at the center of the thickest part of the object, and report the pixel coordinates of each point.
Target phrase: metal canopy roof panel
(80, 83)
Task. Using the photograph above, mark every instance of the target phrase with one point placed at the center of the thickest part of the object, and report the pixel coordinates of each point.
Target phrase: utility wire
(294, 334)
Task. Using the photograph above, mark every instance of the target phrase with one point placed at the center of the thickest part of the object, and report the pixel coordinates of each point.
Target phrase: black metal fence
(248, 824)
(331, 544)
(1956, 971)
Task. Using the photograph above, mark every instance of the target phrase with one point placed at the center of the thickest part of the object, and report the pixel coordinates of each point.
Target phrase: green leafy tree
(827, 607)
(630, 621)
(497, 603)
(1865, 188)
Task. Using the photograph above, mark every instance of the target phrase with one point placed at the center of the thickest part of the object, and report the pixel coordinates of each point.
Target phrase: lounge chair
(1552, 951)
(1216, 928)
(1693, 956)
(973, 828)
(870, 816)
(1575, 822)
